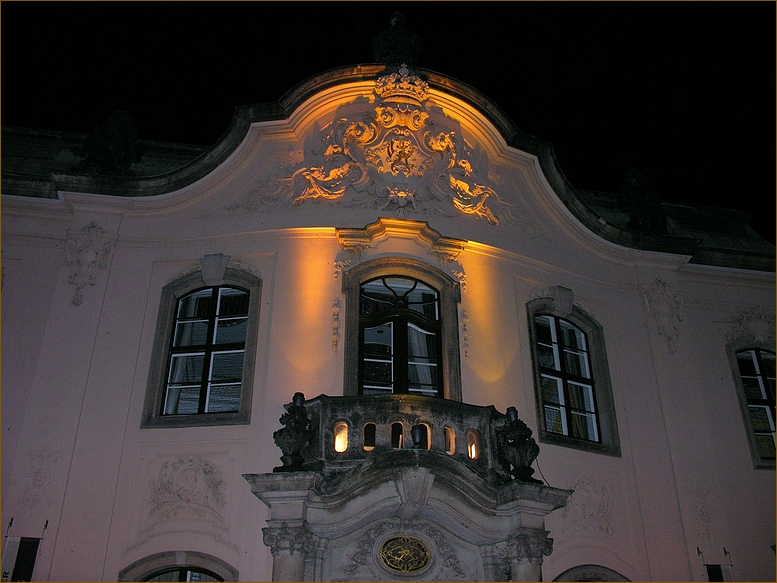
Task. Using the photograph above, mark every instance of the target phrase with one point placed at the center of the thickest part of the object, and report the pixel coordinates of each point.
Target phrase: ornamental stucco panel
(390, 148)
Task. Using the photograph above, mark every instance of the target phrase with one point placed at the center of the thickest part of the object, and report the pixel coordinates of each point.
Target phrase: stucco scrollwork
(88, 251)
(666, 307)
(529, 544)
(288, 539)
(42, 462)
(754, 325)
(390, 157)
(588, 509)
(190, 487)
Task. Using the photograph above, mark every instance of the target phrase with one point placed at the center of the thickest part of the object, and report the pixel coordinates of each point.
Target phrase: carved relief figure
(666, 307)
(188, 487)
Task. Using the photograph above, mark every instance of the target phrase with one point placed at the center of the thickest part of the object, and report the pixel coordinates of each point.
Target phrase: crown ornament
(402, 87)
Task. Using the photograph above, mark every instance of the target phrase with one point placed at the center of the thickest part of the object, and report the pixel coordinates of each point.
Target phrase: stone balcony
(334, 434)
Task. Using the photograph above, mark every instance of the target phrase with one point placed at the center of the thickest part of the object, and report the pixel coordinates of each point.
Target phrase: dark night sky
(683, 91)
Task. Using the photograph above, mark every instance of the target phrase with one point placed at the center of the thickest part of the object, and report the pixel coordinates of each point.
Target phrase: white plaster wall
(74, 377)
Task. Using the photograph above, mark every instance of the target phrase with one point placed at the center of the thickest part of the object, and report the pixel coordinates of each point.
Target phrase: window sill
(571, 442)
(199, 420)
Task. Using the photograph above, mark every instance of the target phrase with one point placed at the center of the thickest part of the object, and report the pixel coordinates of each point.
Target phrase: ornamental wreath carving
(188, 487)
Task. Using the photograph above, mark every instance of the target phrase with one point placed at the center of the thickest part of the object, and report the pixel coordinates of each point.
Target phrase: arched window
(179, 566)
(572, 378)
(204, 352)
(400, 349)
(568, 399)
(401, 330)
(753, 366)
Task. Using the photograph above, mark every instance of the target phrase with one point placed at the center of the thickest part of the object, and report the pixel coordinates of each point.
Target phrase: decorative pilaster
(525, 549)
(289, 546)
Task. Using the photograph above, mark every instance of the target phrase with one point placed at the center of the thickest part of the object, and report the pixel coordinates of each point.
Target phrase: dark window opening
(184, 575)
(400, 348)
(397, 435)
(757, 373)
(368, 440)
(206, 353)
(568, 397)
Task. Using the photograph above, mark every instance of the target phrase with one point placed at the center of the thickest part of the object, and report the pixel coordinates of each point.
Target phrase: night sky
(682, 91)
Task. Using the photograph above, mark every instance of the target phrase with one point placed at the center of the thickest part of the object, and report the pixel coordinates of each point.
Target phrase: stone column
(495, 565)
(289, 545)
(525, 549)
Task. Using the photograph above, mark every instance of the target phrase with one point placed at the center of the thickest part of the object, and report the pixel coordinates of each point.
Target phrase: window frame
(166, 319)
(449, 298)
(732, 348)
(609, 443)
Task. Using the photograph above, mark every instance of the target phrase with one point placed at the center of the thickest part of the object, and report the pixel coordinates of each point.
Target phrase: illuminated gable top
(400, 155)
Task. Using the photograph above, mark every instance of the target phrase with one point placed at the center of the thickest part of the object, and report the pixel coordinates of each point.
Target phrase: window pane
(581, 397)
(576, 364)
(191, 333)
(765, 444)
(226, 366)
(223, 398)
(584, 426)
(747, 363)
(377, 374)
(198, 576)
(421, 345)
(231, 330)
(571, 336)
(547, 356)
(196, 305)
(186, 368)
(169, 576)
(768, 360)
(182, 400)
(375, 296)
(551, 390)
(545, 332)
(378, 341)
(555, 420)
(761, 419)
(233, 302)
(753, 388)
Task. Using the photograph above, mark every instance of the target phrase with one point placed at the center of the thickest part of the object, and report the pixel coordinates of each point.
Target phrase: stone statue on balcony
(517, 449)
(295, 436)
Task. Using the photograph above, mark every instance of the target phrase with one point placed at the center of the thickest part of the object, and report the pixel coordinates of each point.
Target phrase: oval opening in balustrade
(473, 447)
(450, 440)
(368, 437)
(341, 437)
(397, 435)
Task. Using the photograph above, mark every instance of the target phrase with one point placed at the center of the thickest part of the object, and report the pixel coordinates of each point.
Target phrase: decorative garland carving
(189, 486)
(754, 325)
(465, 333)
(666, 307)
(88, 251)
(335, 324)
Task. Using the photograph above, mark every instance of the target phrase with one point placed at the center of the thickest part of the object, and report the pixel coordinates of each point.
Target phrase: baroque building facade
(374, 334)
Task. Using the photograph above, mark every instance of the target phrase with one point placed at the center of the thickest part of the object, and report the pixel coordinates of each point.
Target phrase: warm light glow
(472, 445)
(341, 437)
(488, 329)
